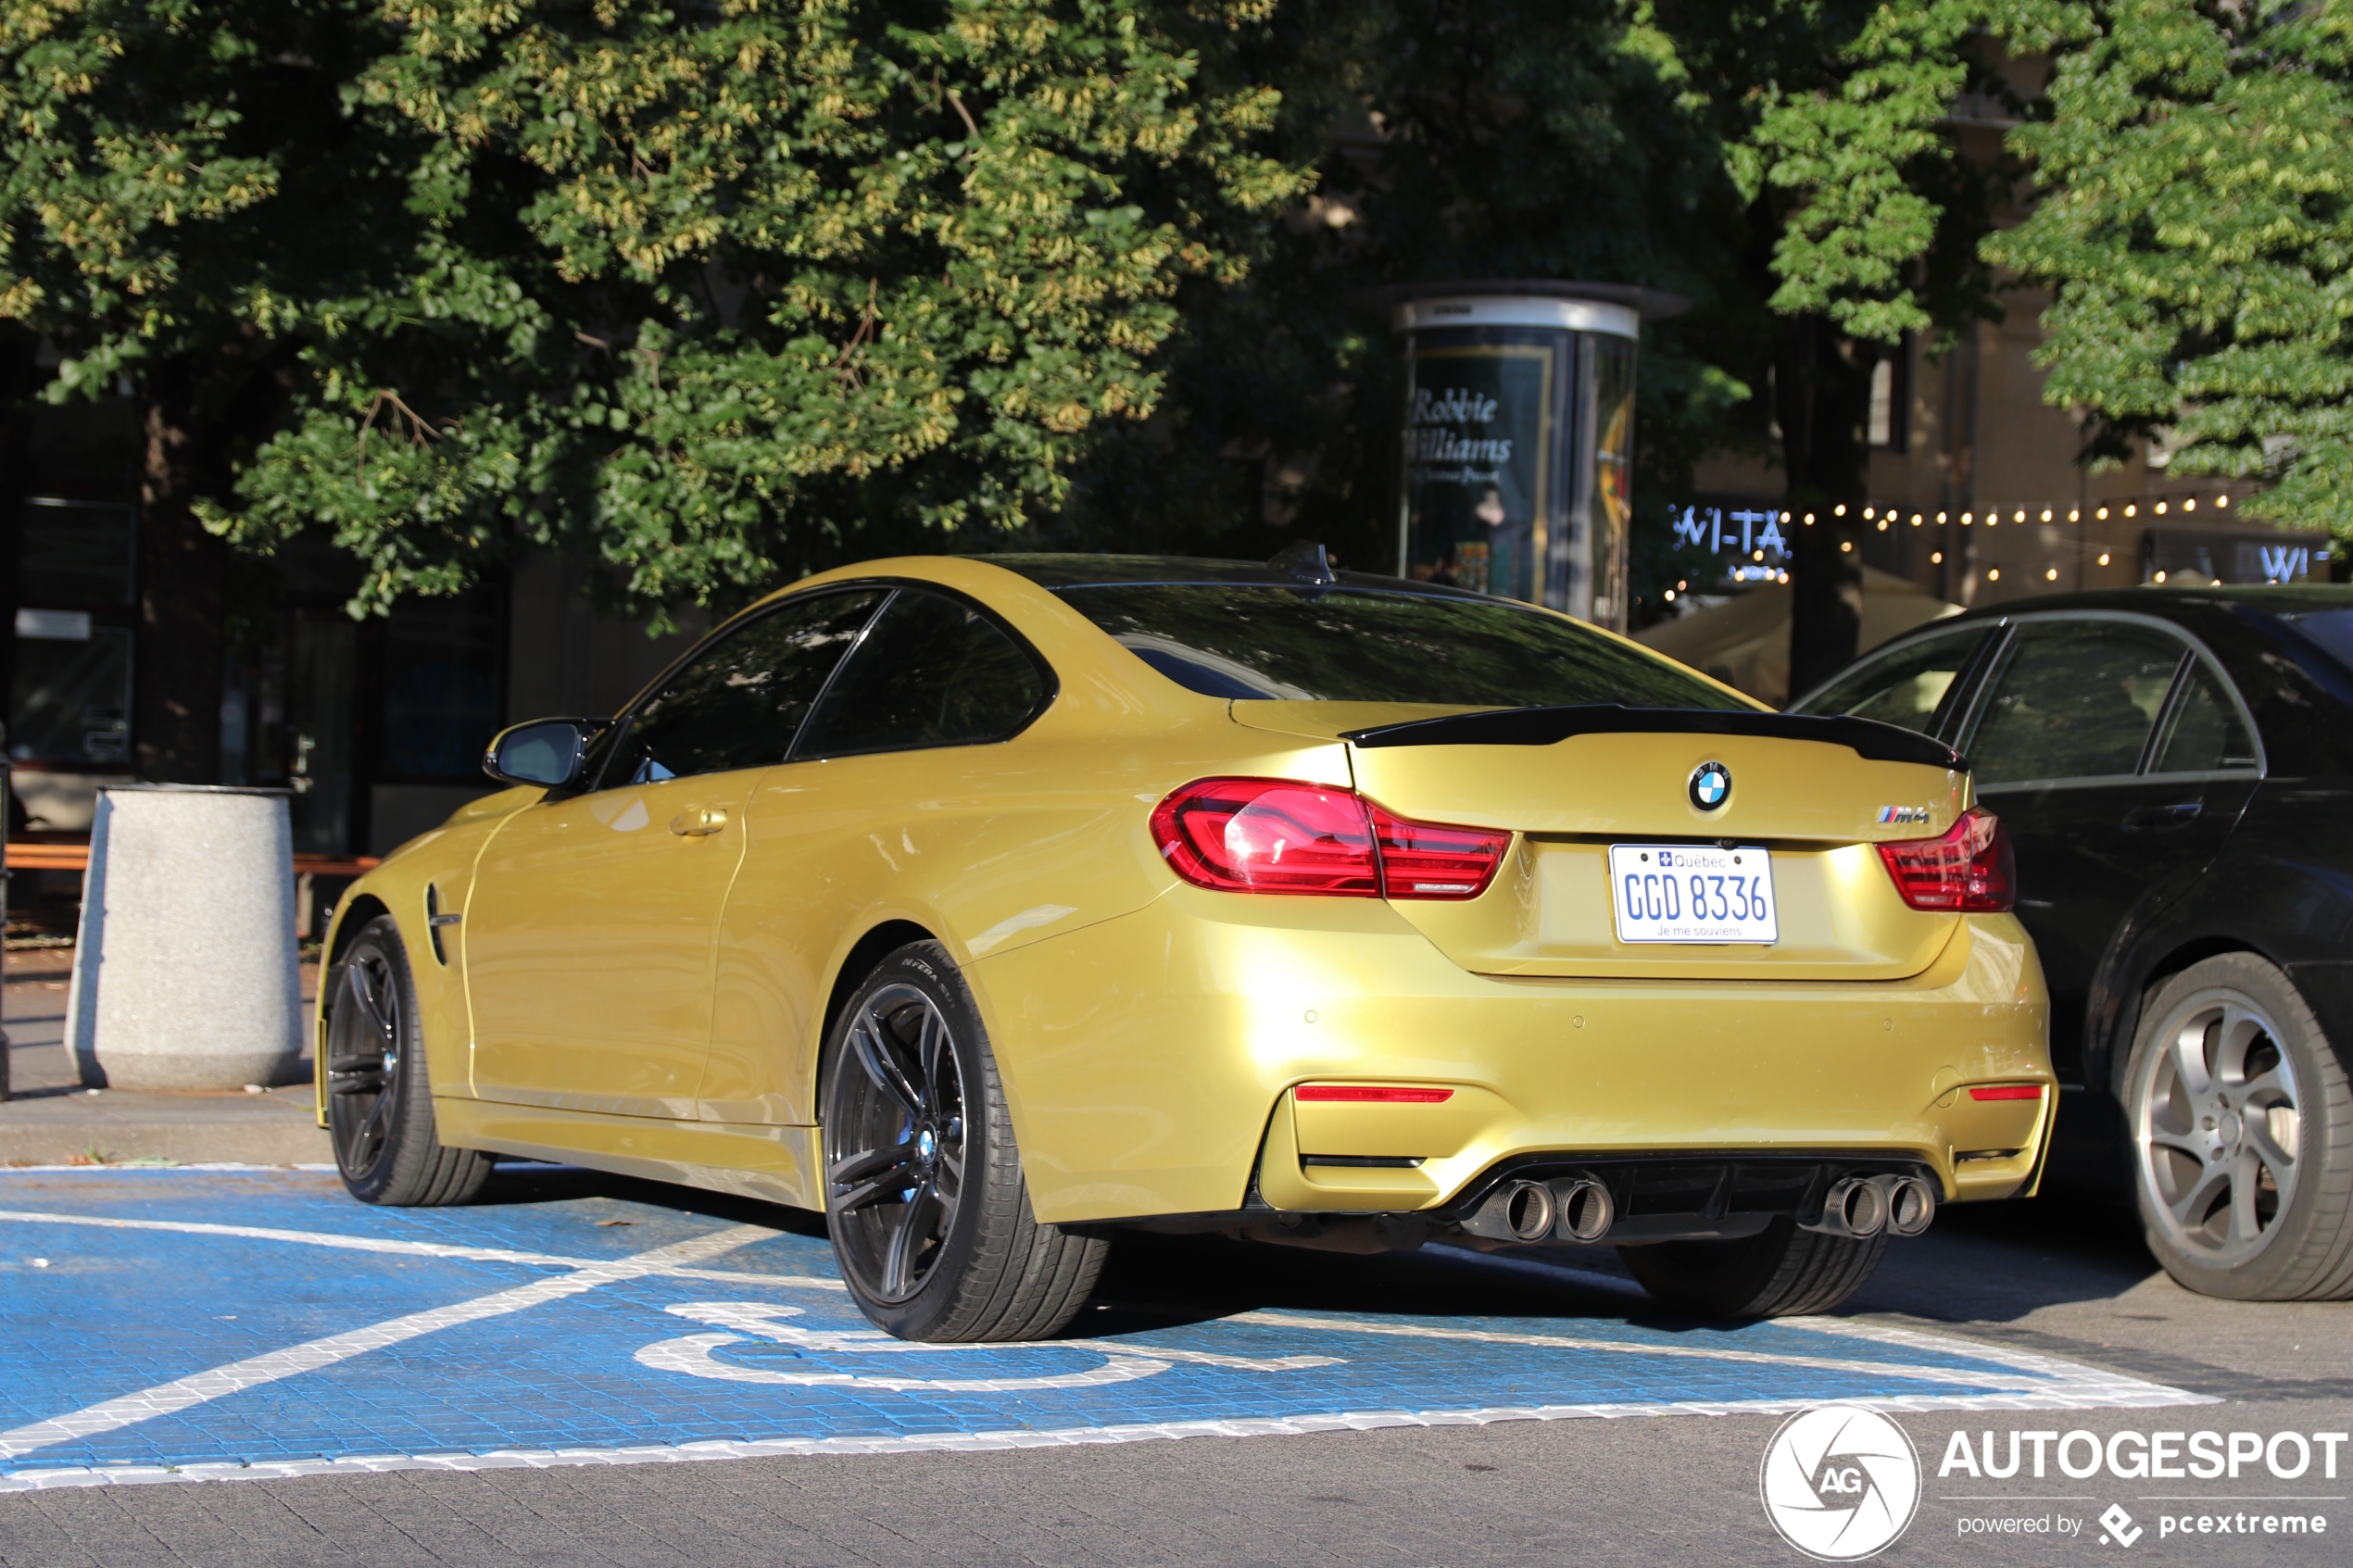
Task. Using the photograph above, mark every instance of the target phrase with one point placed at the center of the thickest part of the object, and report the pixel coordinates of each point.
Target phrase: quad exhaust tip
(1586, 1209)
(1575, 1208)
(1863, 1207)
(1527, 1210)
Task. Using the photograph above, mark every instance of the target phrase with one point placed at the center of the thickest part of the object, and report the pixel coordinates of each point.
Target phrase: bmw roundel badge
(1711, 785)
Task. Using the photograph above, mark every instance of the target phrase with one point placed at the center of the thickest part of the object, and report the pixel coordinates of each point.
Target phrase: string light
(2019, 518)
(1838, 510)
(2160, 509)
(1940, 519)
(1916, 520)
(1995, 575)
(1783, 577)
(2103, 557)
(1847, 543)
(1965, 520)
(1936, 557)
(1670, 595)
(1757, 554)
(1809, 520)
(2046, 514)
(2101, 514)
(2190, 505)
(1785, 517)
(2222, 500)
(2127, 511)
(2074, 514)
(1869, 514)
(2160, 577)
(2050, 574)
(1882, 525)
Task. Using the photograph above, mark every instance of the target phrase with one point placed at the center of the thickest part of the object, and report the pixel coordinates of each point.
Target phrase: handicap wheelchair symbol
(695, 1355)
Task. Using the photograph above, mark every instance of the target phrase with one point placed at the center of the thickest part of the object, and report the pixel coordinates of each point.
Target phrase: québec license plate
(1693, 892)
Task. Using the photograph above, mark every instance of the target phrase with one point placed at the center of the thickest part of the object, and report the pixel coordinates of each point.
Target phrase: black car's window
(2204, 732)
(932, 672)
(741, 702)
(1908, 687)
(1352, 645)
(2074, 699)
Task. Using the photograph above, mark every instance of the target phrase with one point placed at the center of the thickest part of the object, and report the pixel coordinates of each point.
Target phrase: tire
(924, 1199)
(2240, 1130)
(379, 1099)
(1780, 1271)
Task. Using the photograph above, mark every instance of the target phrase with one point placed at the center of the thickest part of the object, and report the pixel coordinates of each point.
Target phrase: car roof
(1075, 570)
(2175, 604)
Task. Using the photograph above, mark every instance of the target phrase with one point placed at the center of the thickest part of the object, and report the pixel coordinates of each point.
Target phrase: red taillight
(1278, 836)
(1970, 870)
(1362, 1094)
(2006, 1091)
(1431, 861)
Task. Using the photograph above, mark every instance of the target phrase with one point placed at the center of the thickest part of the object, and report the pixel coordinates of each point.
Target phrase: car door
(589, 931)
(896, 790)
(2116, 756)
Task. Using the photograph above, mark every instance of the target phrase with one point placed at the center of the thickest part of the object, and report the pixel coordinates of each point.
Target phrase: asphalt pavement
(240, 1366)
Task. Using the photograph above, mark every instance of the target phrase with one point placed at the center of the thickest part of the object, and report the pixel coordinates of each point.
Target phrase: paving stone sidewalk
(51, 1119)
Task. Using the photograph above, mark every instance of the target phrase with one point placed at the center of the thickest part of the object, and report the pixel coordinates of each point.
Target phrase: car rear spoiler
(1867, 738)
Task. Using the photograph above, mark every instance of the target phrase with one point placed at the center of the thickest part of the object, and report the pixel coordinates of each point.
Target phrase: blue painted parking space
(206, 1324)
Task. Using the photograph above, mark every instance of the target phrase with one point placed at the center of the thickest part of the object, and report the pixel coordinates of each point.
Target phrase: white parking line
(180, 1395)
(2022, 1377)
(407, 1248)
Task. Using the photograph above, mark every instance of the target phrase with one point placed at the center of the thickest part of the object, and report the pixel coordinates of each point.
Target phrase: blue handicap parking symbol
(206, 1324)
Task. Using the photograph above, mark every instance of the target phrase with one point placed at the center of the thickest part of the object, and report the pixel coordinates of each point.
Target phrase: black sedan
(2175, 768)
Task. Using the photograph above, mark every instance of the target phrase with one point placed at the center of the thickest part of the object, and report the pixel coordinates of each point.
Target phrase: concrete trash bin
(184, 972)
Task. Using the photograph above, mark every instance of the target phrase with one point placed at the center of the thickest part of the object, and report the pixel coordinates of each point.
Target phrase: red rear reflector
(1278, 835)
(1970, 870)
(2006, 1091)
(1358, 1094)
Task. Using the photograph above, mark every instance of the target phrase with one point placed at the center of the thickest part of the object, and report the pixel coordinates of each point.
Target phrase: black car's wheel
(379, 1102)
(2242, 1136)
(924, 1191)
(1780, 1271)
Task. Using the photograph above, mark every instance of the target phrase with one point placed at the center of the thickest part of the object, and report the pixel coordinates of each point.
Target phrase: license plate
(1693, 892)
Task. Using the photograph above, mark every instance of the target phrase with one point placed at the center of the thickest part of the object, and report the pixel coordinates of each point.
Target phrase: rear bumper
(1149, 1059)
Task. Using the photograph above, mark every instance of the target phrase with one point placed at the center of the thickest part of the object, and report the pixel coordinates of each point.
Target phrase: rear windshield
(1347, 644)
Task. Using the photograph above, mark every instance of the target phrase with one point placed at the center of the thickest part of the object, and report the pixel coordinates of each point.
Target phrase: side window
(1908, 687)
(740, 703)
(2203, 734)
(931, 672)
(2074, 699)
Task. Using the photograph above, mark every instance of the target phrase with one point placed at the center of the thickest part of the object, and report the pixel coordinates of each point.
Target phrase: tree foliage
(2197, 227)
(681, 288)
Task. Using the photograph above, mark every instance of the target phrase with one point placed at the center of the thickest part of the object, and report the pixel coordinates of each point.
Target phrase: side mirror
(546, 752)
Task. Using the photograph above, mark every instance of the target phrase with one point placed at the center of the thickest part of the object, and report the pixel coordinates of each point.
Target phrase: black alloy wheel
(379, 1101)
(899, 1111)
(930, 1216)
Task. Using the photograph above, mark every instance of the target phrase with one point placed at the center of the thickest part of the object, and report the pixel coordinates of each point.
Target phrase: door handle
(698, 821)
(2162, 818)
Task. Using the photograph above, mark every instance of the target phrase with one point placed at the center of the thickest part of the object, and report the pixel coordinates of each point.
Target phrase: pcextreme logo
(1840, 1482)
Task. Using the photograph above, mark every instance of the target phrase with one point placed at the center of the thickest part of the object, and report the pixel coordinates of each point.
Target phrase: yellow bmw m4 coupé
(994, 906)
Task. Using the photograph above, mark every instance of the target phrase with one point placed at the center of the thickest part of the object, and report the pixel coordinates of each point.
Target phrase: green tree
(684, 290)
(2197, 227)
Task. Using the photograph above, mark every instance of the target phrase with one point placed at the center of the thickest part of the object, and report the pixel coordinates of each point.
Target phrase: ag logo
(1711, 784)
(1840, 1482)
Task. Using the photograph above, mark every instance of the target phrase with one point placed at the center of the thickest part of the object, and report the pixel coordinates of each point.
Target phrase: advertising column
(1517, 439)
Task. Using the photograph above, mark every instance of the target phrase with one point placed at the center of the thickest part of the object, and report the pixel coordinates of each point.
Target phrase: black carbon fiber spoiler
(1867, 738)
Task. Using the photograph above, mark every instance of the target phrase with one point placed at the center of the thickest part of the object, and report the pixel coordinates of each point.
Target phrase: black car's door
(2117, 758)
